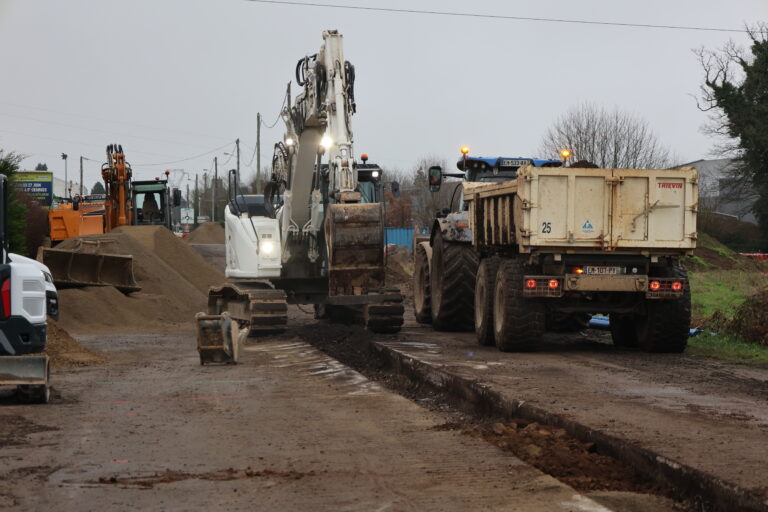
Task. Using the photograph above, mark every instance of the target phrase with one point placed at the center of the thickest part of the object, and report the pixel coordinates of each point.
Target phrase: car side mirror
(435, 178)
(177, 197)
(395, 187)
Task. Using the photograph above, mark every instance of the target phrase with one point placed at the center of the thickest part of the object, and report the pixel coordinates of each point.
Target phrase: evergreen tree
(98, 188)
(735, 90)
(17, 212)
(41, 167)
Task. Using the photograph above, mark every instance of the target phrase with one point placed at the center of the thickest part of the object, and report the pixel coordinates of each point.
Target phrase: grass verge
(722, 290)
(727, 347)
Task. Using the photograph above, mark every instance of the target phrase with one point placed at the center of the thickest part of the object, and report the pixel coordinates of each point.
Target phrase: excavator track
(264, 310)
(384, 317)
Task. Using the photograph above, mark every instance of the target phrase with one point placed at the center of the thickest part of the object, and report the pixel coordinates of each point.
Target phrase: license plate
(507, 162)
(603, 271)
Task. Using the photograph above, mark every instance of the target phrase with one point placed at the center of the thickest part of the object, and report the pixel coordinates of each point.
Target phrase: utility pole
(237, 184)
(81, 176)
(66, 177)
(197, 200)
(258, 152)
(213, 188)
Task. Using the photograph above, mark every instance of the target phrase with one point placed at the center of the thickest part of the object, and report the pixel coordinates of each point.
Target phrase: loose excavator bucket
(30, 373)
(76, 269)
(217, 338)
(354, 234)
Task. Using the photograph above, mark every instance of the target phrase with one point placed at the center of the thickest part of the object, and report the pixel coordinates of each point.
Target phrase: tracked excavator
(127, 203)
(316, 235)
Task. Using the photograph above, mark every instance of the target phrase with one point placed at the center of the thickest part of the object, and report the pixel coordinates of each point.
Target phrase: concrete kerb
(708, 493)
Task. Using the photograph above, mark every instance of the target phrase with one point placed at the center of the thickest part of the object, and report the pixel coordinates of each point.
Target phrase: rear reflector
(677, 286)
(530, 283)
(654, 286)
(554, 283)
(5, 294)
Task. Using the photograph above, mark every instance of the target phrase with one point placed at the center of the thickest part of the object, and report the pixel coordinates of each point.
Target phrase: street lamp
(66, 181)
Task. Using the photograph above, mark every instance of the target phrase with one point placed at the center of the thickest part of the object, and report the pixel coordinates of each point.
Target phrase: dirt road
(289, 429)
(707, 414)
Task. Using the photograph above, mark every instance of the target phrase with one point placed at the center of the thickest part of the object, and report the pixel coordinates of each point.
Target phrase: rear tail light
(530, 283)
(654, 286)
(554, 283)
(5, 295)
(677, 286)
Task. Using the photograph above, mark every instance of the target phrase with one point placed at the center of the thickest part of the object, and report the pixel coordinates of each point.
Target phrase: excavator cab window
(150, 203)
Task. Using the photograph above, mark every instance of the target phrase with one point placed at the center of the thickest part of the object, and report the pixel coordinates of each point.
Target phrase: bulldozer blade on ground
(76, 268)
(355, 237)
(217, 338)
(30, 373)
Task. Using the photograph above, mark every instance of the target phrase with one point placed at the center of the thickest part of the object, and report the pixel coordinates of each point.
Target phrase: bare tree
(611, 139)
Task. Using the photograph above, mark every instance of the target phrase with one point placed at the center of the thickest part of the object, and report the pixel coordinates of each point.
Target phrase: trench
(584, 458)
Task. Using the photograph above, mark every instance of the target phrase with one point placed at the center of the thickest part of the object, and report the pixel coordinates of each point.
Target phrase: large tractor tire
(422, 308)
(518, 322)
(484, 294)
(452, 285)
(666, 327)
(623, 330)
(567, 322)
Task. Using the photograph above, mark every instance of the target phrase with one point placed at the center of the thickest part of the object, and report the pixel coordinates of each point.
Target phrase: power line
(127, 123)
(186, 159)
(111, 133)
(500, 16)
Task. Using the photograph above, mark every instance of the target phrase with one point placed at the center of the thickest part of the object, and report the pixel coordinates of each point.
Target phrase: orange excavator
(86, 261)
(91, 216)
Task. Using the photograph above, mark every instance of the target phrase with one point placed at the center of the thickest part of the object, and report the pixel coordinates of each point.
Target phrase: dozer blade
(217, 338)
(75, 269)
(354, 234)
(30, 373)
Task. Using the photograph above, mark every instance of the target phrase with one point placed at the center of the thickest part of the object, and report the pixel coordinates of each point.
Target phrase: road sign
(187, 215)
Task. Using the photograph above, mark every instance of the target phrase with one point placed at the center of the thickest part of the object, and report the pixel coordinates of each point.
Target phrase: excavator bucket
(217, 338)
(77, 268)
(355, 237)
(30, 373)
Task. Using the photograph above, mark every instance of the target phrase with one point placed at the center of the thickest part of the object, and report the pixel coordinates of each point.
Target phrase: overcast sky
(171, 79)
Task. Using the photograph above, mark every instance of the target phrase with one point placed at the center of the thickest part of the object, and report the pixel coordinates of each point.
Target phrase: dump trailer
(584, 240)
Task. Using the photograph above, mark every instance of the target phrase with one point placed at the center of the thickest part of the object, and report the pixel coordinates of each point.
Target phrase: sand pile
(66, 352)
(174, 280)
(207, 233)
(751, 320)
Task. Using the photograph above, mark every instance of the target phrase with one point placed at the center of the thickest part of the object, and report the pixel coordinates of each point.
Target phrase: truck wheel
(666, 327)
(567, 322)
(452, 285)
(518, 323)
(623, 330)
(421, 291)
(484, 293)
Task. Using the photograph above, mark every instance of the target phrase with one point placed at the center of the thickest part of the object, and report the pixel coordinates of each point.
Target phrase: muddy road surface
(706, 414)
(288, 429)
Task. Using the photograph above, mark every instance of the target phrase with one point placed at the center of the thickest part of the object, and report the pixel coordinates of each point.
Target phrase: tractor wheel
(422, 308)
(623, 330)
(484, 293)
(518, 322)
(666, 327)
(452, 285)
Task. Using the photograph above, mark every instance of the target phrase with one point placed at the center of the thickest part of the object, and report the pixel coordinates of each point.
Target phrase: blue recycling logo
(587, 227)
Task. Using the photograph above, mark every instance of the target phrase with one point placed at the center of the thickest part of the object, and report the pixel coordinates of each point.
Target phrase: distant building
(720, 192)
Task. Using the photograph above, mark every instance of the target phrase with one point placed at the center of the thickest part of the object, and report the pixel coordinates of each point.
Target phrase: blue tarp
(603, 322)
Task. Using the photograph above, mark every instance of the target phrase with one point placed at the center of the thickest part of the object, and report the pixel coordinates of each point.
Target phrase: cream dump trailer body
(562, 209)
(558, 242)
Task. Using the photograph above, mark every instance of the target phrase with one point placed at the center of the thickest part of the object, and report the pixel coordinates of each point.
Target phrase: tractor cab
(498, 169)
